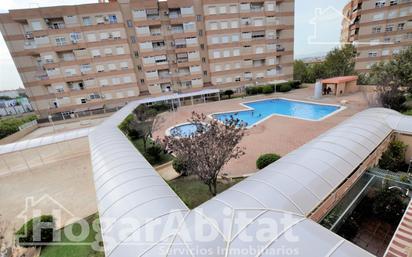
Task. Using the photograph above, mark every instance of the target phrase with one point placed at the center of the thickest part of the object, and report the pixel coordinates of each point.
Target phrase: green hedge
(10, 126)
(268, 89)
(266, 159)
(36, 232)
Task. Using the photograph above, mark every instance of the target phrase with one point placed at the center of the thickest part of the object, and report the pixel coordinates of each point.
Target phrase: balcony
(280, 48)
(177, 29)
(55, 23)
(155, 30)
(175, 13)
(164, 74)
(30, 44)
(152, 14)
(257, 7)
(81, 53)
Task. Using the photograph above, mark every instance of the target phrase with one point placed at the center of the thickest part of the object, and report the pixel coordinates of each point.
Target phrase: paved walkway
(277, 134)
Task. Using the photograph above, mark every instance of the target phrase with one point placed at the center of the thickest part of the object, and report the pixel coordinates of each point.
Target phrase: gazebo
(340, 85)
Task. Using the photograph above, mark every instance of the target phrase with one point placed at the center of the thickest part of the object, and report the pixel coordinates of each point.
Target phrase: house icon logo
(322, 21)
(45, 205)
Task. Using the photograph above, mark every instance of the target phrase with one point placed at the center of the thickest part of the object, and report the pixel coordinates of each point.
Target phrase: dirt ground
(64, 187)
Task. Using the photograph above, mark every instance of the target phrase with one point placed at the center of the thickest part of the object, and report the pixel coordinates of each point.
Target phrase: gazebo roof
(337, 80)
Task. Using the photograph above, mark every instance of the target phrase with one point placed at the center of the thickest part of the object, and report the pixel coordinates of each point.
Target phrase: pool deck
(278, 134)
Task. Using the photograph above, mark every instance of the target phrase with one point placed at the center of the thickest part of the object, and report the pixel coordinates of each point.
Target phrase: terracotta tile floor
(278, 134)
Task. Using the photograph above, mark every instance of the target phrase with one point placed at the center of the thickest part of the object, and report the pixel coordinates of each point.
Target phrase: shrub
(134, 134)
(154, 152)
(285, 87)
(180, 166)
(36, 232)
(393, 100)
(268, 89)
(10, 126)
(266, 159)
(404, 178)
(393, 158)
(229, 93)
(295, 84)
(389, 206)
(124, 126)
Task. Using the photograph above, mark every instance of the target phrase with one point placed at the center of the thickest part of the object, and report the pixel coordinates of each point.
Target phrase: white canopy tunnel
(29, 154)
(128, 187)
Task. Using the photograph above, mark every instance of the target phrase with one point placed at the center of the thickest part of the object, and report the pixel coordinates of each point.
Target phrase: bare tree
(143, 123)
(209, 149)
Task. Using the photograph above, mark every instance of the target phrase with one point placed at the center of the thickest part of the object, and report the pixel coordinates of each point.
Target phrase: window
(112, 19)
(200, 33)
(378, 16)
(222, 9)
(385, 52)
(223, 25)
(94, 96)
(104, 35)
(235, 38)
(111, 66)
(87, 21)
(100, 68)
(234, 24)
(216, 54)
(380, 3)
(60, 41)
(233, 9)
(199, 17)
(70, 72)
(389, 28)
(142, 81)
(36, 25)
(136, 54)
(104, 82)
(91, 37)
(236, 52)
(401, 26)
(84, 68)
(116, 35)
(115, 81)
(108, 51)
(212, 9)
(393, 2)
(225, 39)
(226, 53)
(215, 40)
(213, 25)
(205, 72)
(129, 23)
(376, 29)
(124, 65)
(372, 54)
(218, 67)
(95, 53)
(119, 50)
(71, 19)
(392, 14)
(75, 37)
(133, 39)
(127, 79)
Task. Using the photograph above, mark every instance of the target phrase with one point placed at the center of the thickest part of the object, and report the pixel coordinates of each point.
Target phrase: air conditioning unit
(46, 20)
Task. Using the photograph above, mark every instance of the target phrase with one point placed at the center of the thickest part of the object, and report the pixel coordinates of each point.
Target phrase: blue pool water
(265, 108)
(185, 130)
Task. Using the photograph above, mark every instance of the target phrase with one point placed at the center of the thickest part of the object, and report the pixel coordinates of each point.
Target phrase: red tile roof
(337, 80)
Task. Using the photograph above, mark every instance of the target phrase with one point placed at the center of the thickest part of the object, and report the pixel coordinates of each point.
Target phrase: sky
(317, 30)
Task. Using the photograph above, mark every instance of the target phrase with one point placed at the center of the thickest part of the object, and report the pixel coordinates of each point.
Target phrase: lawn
(408, 112)
(194, 192)
(80, 250)
(164, 157)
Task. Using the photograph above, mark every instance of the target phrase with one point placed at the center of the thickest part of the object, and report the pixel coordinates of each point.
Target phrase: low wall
(18, 135)
(334, 198)
(407, 139)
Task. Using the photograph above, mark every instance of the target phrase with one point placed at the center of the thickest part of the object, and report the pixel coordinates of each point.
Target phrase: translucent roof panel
(283, 194)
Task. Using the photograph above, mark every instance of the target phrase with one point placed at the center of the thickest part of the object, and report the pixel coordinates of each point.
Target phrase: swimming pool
(184, 130)
(261, 110)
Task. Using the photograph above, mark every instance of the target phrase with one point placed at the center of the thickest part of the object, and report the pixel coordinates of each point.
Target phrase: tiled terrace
(277, 134)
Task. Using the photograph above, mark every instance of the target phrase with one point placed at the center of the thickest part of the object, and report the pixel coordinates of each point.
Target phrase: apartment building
(380, 29)
(92, 56)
